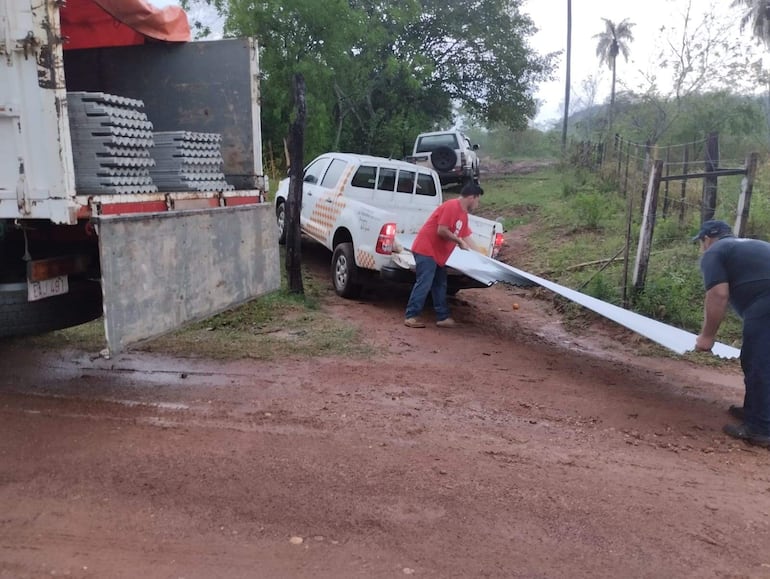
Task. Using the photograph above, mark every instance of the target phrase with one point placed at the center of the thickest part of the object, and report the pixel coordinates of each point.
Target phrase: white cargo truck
(148, 257)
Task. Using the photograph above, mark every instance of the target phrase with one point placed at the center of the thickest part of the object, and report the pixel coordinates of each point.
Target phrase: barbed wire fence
(664, 182)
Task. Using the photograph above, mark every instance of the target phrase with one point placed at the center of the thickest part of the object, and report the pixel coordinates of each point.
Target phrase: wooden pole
(619, 153)
(627, 247)
(648, 226)
(744, 200)
(683, 195)
(709, 203)
(625, 179)
(646, 168)
(666, 198)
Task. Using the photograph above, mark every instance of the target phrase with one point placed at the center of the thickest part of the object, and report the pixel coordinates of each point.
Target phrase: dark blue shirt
(745, 265)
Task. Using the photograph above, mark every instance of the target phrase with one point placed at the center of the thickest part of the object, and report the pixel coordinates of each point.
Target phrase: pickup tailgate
(162, 270)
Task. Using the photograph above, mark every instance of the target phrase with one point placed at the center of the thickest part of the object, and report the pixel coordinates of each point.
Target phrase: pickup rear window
(426, 185)
(430, 143)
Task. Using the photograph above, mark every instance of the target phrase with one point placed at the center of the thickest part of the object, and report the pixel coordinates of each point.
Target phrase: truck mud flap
(162, 270)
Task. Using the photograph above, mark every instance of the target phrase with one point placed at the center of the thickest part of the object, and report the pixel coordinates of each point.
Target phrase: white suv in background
(450, 153)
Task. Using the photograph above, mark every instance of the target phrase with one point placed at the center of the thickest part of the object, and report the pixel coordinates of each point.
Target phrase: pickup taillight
(499, 240)
(386, 238)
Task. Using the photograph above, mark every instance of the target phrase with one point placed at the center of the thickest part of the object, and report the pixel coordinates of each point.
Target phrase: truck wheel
(280, 216)
(345, 271)
(443, 159)
(18, 317)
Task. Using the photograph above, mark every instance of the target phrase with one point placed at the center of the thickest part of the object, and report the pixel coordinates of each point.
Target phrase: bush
(591, 210)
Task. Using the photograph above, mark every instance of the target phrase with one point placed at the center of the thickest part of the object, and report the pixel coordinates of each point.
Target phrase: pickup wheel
(18, 317)
(443, 158)
(345, 271)
(280, 217)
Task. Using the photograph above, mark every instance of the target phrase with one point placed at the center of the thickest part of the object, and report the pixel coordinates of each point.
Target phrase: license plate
(56, 286)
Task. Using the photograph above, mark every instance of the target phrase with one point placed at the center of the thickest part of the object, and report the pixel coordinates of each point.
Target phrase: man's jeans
(755, 362)
(431, 278)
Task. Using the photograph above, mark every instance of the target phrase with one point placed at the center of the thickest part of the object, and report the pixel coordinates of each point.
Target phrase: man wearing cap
(737, 271)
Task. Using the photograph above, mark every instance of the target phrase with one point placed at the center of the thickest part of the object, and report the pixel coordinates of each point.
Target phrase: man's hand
(462, 244)
(704, 343)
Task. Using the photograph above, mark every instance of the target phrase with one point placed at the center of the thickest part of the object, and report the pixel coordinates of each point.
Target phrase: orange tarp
(95, 23)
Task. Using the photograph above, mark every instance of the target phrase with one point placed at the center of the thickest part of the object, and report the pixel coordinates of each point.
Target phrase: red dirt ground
(506, 447)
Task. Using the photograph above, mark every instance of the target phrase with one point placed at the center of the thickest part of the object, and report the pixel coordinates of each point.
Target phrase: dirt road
(504, 448)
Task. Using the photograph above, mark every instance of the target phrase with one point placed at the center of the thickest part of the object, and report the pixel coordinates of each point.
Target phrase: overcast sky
(550, 16)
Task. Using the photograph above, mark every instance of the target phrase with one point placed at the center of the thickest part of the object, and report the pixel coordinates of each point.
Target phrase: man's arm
(445, 233)
(714, 307)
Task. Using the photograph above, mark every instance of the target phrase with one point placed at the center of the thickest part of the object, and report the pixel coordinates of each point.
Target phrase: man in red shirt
(446, 228)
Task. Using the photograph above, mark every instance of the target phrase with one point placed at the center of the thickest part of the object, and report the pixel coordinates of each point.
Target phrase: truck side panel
(36, 174)
(199, 86)
(161, 270)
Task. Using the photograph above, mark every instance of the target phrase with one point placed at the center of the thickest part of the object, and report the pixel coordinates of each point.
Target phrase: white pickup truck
(357, 206)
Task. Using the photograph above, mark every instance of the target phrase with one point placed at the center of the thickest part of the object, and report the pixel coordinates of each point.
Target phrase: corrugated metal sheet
(490, 271)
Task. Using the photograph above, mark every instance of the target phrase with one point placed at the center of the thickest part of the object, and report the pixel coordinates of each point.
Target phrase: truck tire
(18, 317)
(444, 159)
(280, 217)
(345, 271)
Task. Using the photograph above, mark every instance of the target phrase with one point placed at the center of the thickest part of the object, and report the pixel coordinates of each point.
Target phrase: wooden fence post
(744, 200)
(646, 166)
(619, 153)
(628, 160)
(709, 203)
(648, 226)
(666, 198)
(683, 196)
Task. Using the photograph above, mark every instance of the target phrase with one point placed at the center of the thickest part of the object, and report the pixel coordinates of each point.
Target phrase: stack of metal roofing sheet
(111, 142)
(188, 161)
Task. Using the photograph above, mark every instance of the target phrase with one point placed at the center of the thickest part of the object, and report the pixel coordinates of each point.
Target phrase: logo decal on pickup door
(328, 209)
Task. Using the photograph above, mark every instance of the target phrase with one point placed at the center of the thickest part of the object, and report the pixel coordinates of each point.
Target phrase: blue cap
(713, 228)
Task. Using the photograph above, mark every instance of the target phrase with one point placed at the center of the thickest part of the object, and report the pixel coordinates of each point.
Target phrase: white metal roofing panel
(490, 271)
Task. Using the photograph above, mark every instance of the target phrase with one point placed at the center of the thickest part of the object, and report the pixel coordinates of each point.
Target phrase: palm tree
(567, 79)
(612, 42)
(758, 15)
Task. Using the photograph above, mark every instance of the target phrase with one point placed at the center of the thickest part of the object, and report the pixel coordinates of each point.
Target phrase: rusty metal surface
(490, 271)
(162, 270)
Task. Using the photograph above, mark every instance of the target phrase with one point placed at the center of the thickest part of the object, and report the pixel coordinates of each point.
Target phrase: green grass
(576, 217)
(278, 325)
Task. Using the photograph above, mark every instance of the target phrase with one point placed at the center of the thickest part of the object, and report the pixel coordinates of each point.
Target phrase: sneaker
(414, 323)
(736, 412)
(742, 432)
(446, 323)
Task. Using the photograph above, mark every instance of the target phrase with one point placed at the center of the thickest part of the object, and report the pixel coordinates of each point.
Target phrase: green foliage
(377, 73)
(671, 297)
(507, 145)
(592, 210)
(603, 288)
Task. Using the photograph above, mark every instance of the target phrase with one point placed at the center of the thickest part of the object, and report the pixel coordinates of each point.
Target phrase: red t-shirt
(452, 215)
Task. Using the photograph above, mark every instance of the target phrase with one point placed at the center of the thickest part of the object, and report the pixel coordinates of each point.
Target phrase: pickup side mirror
(310, 179)
(475, 147)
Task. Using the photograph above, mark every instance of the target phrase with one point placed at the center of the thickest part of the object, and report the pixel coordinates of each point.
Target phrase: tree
(567, 79)
(294, 200)
(613, 42)
(380, 71)
(757, 13)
